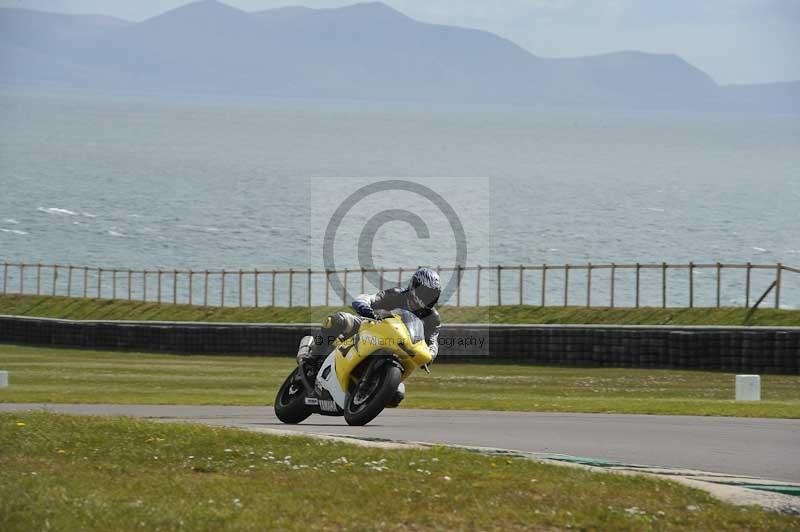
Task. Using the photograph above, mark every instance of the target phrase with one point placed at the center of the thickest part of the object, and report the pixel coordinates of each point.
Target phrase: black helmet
(425, 288)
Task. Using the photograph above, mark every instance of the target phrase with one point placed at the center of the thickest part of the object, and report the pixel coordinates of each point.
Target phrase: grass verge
(83, 473)
(84, 309)
(75, 376)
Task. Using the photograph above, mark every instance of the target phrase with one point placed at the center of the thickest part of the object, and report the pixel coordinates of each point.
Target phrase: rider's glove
(381, 313)
(363, 307)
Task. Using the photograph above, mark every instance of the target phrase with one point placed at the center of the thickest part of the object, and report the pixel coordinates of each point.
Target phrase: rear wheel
(369, 398)
(290, 406)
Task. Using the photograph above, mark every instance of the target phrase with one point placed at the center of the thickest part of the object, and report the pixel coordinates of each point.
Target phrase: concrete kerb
(726, 488)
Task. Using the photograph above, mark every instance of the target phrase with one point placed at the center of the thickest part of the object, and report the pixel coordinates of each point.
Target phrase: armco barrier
(735, 349)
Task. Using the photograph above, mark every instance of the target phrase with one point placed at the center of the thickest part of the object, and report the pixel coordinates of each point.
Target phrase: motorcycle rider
(419, 298)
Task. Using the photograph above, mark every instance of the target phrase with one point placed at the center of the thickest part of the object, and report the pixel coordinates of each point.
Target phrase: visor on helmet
(423, 296)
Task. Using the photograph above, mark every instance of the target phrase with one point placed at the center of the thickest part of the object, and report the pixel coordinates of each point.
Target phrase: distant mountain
(632, 79)
(281, 14)
(372, 51)
(24, 66)
(42, 48)
(362, 51)
(770, 97)
(53, 32)
(204, 46)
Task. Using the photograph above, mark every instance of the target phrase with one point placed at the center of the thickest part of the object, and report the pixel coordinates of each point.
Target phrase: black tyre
(368, 399)
(290, 406)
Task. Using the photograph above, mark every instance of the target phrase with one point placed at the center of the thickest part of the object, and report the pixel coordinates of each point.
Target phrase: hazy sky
(736, 41)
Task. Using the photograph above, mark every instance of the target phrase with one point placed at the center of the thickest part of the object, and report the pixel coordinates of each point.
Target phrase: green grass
(83, 473)
(82, 309)
(74, 376)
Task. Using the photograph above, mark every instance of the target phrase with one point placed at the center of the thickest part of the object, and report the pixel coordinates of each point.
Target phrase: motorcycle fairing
(328, 380)
(389, 336)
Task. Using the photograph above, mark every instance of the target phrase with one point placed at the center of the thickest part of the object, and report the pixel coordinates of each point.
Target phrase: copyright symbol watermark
(377, 226)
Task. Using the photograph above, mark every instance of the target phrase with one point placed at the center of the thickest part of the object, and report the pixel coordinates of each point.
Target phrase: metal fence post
(5, 278)
(144, 286)
(544, 285)
(663, 285)
(222, 290)
(175, 287)
(589, 285)
(69, 281)
(613, 282)
(191, 275)
(255, 288)
(158, 292)
(205, 289)
(691, 285)
(21, 279)
(499, 286)
(362, 280)
(478, 288)
(747, 286)
(344, 288)
(85, 282)
(459, 269)
(130, 292)
(241, 296)
(38, 279)
(380, 281)
(399, 277)
(566, 285)
(778, 270)
(327, 287)
(99, 283)
(521, 283)
(272, 297)
(55, 278)
(638, 280)
(114, 284)
(291, 284)
(308, 287)
(719, 283)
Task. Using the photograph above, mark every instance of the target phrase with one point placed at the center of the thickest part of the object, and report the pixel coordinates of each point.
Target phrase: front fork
(378, 362)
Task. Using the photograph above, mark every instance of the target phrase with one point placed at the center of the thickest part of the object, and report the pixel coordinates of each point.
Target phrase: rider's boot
(312, 350)
(339, 325)
(304, 350)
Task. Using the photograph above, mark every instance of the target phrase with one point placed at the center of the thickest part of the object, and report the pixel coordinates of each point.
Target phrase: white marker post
(748, 388)
(3, 379)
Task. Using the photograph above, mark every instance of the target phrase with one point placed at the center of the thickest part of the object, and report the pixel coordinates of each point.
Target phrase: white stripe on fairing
(331, 384)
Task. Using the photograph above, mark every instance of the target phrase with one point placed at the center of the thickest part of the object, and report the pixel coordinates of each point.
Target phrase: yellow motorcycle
(361, 374)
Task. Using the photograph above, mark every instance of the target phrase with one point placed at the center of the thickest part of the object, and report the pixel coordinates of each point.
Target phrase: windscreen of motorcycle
(414, 325)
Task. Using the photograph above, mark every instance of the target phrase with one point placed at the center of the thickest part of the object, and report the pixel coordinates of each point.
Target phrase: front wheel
(290, 404)
(369, 398)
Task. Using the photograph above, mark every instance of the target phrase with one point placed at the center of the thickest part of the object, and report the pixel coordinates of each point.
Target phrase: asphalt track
(764, 448)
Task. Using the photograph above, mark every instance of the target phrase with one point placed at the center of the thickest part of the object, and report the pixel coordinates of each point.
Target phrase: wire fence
(590, 285)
